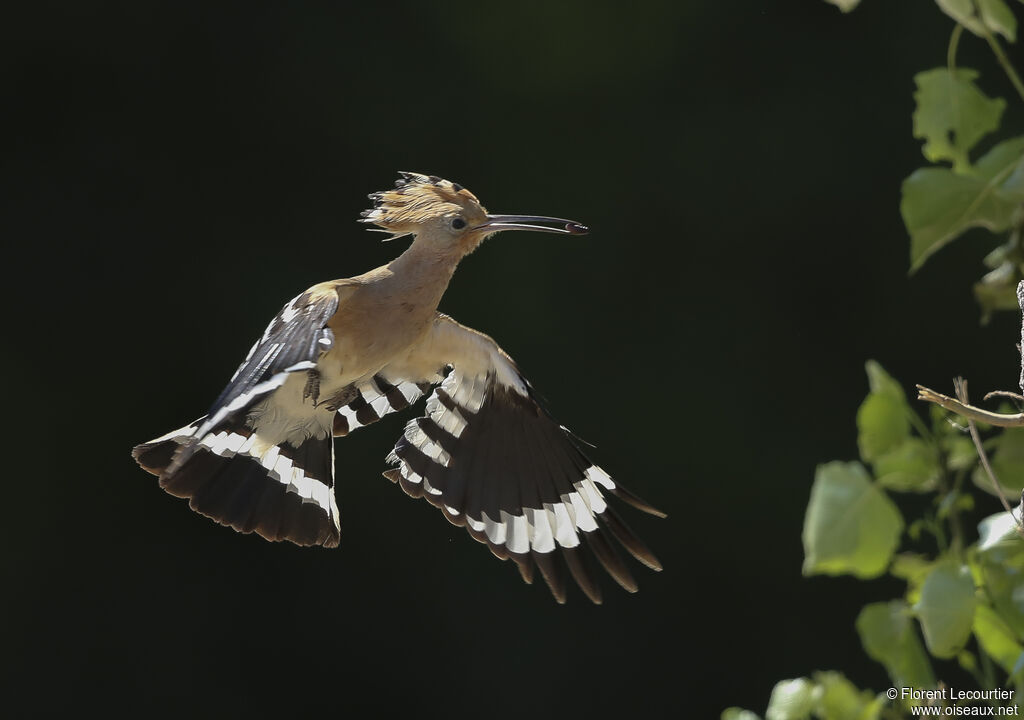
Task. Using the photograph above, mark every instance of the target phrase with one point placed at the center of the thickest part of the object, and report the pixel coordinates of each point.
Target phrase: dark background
(176, 172)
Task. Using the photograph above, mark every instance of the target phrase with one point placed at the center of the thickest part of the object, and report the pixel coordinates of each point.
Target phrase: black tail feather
(238, 491)
(155, 456)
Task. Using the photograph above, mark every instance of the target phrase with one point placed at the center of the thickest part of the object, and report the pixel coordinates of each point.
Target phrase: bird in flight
(344, 353)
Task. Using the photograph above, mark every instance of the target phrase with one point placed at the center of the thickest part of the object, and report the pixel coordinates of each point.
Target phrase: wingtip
(581, 574)
(636, 501)
(645, 556)
(525, 566)
(552, 575)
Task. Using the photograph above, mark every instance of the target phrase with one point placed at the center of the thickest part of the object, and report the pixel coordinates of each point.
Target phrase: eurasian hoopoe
(346, 352)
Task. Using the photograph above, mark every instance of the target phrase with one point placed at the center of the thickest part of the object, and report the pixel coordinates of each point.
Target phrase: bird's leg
(312, 386)
(342, 397)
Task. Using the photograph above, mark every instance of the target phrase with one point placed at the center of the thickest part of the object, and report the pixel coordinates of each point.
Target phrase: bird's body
(346, 352)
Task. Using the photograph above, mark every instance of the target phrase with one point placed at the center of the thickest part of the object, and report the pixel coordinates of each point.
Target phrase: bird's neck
(424, 270)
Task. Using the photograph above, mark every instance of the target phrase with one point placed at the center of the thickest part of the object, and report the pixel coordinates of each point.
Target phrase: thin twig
(969, 412)
(1003, 60)
(1020, 302)
(954, 41)
(951, 495)
(960, 386)
(1005, 394)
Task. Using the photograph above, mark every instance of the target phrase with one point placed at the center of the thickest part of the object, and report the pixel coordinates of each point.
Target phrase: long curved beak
(496, 223)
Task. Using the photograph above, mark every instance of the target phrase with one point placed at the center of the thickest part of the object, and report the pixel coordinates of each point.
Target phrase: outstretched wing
(492, 459)
(277, 482)
(293, 341)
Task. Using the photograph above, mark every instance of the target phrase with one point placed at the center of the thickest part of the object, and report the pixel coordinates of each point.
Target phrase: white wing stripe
(381, 406)
(565, 526)
(591, 496)
(369, 393)
(518, 540)
(409, 475)
(415, 435)
(409, 391)
(260, 389)
(468, 395)
(541, 536)
(541, 530)
(187, 431)
(584, 517)
(599, 476)
(350, 417)
(496, 531)
(451, 422)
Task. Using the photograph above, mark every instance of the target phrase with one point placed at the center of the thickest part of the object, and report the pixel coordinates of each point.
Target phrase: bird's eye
(458, 223)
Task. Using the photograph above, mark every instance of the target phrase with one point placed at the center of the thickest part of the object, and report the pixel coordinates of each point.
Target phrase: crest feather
(416, 199)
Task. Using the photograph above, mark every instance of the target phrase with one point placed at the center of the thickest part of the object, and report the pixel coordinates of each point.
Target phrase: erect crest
(416, 199)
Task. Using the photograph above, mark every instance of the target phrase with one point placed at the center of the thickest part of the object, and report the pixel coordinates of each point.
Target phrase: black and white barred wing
(293, 342)
(491, 458)
(276, 481)
(384, 393)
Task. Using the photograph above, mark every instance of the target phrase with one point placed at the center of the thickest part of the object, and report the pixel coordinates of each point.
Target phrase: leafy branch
(969, 412)
(959, 599)
(953, 116)
(964, 596)
(962, 407)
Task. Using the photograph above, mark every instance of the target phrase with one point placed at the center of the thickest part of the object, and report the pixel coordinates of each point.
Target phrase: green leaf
(999, 561)
(954, 500)
(966, 659)
(882, 425)
(1018, 667)
(791, 700)
(914, 569)
(946, 609)
(996, 638)
(1005, 585)
(909, 467)
(910, 567)
(999, 18)
(952, 114)
(1007, 460)
(958, 448)
(960, 453)
(997, 290)
(841, 700)
(917, 528)
(938, 204)
(887, 633)
(991, 14)
(883, 420)
(735, 713)
(882, 383)
(851, 526)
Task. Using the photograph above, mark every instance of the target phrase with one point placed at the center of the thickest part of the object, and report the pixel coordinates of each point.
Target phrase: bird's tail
(282, 492)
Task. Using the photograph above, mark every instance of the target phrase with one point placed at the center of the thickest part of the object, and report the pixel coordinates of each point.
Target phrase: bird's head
(450, 213)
